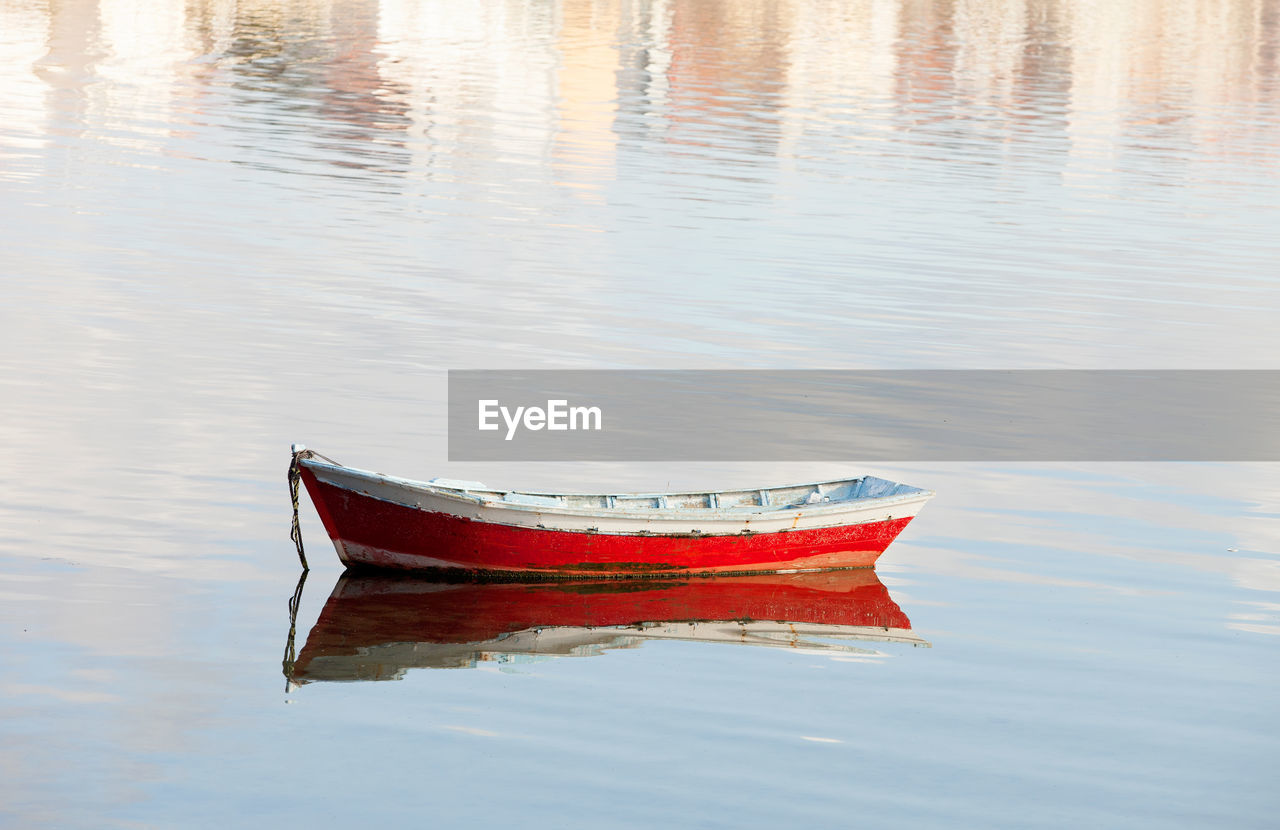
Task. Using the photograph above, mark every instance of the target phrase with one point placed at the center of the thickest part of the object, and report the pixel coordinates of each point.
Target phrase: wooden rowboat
(382, 521)
(376, 626)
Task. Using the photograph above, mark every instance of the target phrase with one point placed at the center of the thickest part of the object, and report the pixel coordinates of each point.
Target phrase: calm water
(226, 226)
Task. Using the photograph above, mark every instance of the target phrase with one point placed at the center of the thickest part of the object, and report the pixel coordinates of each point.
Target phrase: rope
(295, 533)
(295, 478)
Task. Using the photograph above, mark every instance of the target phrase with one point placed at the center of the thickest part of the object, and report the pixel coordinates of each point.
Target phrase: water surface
(227, 226)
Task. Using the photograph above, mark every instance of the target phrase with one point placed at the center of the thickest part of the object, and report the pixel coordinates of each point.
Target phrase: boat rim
(494, 497)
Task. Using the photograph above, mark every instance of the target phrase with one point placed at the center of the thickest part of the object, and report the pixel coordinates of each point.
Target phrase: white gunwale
(488, 505)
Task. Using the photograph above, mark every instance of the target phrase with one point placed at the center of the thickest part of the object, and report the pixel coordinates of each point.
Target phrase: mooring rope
(295, 478)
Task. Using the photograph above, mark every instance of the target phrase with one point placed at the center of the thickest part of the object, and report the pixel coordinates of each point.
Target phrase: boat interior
(777, 498)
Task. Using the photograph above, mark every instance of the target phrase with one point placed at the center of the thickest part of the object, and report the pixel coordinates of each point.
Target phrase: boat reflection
(374, 627)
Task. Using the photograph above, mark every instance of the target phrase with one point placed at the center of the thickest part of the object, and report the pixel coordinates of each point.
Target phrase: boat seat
(533, 501)
(457, 484)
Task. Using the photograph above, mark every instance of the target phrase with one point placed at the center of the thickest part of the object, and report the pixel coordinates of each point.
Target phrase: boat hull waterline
(378, 521)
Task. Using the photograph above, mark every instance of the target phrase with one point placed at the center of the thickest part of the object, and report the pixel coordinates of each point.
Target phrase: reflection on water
(547, 93)
(374, 627)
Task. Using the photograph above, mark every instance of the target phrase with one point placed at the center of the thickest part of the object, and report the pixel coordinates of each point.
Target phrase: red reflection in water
(368, 620)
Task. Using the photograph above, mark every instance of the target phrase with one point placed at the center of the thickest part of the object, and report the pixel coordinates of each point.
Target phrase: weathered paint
(374, 627)
(390, 523)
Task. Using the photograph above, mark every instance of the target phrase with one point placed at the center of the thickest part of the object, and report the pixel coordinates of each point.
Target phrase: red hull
(377, 533)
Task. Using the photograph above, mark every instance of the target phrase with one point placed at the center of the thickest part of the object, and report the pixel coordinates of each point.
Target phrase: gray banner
(934, 415)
